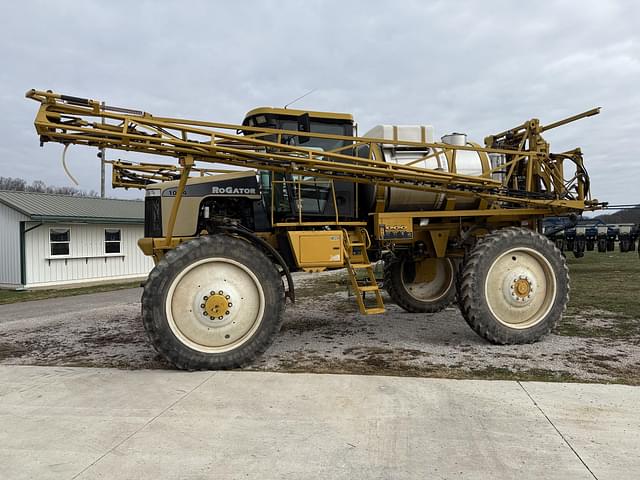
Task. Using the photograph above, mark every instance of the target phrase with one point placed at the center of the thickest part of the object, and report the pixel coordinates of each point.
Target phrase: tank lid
(459, 139)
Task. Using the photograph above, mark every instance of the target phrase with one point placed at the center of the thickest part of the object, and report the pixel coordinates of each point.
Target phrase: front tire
(514, 286)
(213, 302)
(427, 286)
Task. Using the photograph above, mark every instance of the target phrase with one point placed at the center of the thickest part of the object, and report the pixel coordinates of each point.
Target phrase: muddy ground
(323, 332)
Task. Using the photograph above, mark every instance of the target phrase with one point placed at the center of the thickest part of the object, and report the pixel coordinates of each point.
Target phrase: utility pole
(102, 158)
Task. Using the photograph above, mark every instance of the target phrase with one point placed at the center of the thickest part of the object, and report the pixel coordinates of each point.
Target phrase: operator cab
(316, 196)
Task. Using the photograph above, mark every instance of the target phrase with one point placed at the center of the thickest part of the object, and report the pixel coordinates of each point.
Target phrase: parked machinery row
(585, 235)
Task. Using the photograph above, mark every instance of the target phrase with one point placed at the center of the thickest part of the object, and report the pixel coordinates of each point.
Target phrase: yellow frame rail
(73, 120)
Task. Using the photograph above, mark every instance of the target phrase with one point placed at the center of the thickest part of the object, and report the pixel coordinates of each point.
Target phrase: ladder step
(356, 258)
(368, 288)
(373, 311)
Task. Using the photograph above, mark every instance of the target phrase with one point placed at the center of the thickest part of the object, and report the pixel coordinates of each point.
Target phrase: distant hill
(629, 215)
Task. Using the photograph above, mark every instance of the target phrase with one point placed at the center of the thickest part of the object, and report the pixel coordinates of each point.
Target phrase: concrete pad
(58, 446)
(146, 391)
(57, 421)
(63, 423)
(601, 422)
(257, 425)
(15, 379)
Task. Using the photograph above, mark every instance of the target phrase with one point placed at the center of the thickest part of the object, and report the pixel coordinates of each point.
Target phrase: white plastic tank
(467, 162)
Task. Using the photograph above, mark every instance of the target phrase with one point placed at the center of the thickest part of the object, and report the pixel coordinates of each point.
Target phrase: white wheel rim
(222, 284)
(520, 288)
(434, 290)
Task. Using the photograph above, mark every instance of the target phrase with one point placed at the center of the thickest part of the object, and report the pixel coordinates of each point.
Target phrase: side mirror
(304, 125)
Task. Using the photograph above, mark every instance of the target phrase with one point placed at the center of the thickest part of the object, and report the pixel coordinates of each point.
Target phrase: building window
(59, 239)
(111, 240)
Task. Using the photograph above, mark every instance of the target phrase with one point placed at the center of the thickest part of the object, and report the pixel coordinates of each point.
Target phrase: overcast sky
(474, 67)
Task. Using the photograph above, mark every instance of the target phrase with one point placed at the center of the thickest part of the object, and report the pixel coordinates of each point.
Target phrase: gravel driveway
(323, 332)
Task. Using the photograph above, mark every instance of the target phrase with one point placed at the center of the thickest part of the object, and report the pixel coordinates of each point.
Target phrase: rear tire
(213, 302)
(429, 296)
(514, 286)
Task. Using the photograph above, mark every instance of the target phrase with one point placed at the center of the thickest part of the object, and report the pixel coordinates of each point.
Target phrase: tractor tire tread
(393, 285)
(153, 298)
(471, 305)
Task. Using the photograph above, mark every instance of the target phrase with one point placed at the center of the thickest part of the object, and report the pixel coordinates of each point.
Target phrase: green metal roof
(46, 207)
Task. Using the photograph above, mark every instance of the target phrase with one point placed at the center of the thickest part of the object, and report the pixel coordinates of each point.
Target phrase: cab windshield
(325, 144)
(295, 194)
(316, 125)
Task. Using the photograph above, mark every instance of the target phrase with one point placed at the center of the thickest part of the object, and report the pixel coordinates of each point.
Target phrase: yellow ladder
(355, 245)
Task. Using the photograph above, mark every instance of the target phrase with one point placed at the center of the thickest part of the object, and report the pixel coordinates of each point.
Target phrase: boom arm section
(534, 178)
(139, 175)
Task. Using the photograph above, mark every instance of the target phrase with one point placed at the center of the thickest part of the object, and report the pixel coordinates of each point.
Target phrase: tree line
(21, 185)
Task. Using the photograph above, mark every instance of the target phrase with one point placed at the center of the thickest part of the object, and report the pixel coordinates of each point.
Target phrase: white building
(51, 240)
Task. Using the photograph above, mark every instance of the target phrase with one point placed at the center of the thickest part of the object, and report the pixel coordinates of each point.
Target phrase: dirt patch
(596, 323)
(111, 337)
(323, 332)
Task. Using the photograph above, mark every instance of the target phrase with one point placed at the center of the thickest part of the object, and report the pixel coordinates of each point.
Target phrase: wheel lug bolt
(212, 292)
(227, 297)
(205, 297)
(220, 292)
(202, 305)
(230, 304)
(227, 312)
(220, 318)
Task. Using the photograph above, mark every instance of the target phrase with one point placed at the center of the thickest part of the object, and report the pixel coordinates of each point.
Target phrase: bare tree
(21, 185)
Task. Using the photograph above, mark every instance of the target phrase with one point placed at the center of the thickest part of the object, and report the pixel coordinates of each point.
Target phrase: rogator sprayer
(448, 219)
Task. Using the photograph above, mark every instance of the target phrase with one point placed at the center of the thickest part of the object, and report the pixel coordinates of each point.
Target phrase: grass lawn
(13, 296)
(606, 281)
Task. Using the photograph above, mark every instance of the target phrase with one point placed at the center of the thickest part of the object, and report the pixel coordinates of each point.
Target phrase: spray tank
(466, 162)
